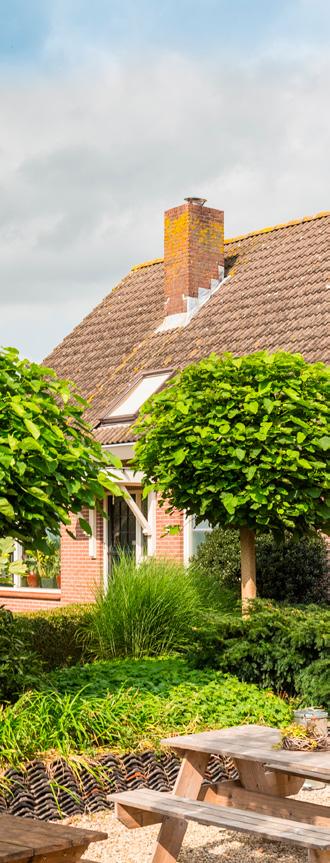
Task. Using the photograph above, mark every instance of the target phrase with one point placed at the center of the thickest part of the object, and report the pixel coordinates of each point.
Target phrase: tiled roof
(276, 298)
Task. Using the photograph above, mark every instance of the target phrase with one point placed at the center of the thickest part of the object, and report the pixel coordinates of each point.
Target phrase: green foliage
(293, 570)
(130, 705)
(288, 569)
(275, 646)
(19, 666)
(219, 557)
(50, 465)
(242, 441)
(8, 566)
(313, 683)
(148, 610)
(46, 563)
(52, 635)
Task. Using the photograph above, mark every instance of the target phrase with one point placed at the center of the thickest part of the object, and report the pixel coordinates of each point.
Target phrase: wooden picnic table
(25, 839)
(258, 802)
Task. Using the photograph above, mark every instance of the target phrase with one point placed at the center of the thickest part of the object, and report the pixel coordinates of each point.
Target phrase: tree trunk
(248, 567)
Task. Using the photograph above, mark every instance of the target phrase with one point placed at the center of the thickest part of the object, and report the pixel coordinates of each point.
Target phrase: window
(38, 570)
(199, 533)
(194, 535)
(137, 395)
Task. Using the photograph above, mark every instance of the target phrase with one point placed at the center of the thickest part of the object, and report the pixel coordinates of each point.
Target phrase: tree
(242, 442)
(50, 465)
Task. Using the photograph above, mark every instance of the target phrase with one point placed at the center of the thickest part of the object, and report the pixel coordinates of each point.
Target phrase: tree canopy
(50, 464)
(242, 442)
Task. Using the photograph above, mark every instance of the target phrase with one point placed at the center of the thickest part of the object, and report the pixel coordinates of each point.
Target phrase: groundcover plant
(127, 705)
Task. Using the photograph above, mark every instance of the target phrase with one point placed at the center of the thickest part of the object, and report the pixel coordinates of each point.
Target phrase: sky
(112, 111)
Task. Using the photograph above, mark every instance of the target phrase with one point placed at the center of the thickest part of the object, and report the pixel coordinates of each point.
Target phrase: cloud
(92, 155)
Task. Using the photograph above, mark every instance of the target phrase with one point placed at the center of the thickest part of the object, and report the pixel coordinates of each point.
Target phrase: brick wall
(193, 251)
(81, 575)
(19, 601)
(169, 546)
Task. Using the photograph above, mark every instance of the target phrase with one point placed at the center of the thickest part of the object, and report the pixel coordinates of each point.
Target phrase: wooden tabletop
(256, 743)
(23, 838)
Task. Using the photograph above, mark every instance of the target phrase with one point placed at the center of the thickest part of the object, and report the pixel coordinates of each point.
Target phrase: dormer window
(126, 410)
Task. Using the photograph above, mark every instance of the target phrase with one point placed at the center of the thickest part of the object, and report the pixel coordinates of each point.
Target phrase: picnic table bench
(25, 839)
(258, 802)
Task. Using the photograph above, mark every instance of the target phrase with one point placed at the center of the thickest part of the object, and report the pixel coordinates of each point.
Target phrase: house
(264, 290)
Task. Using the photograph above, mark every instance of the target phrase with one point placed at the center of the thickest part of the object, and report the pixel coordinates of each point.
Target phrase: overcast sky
(113, 110)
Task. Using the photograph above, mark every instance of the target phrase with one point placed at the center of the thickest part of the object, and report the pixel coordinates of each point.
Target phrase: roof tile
(275, 298)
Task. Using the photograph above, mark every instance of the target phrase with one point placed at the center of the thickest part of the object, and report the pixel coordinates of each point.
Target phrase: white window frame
(189, 527)
(92, 539)
(144, 527)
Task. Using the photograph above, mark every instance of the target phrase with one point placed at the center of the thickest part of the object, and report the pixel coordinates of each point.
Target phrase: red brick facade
(81, 574)
(193, 252)
(168, 545)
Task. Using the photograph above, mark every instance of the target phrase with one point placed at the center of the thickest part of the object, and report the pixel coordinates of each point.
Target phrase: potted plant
(32, 578)
(301, 738)
(48, 566)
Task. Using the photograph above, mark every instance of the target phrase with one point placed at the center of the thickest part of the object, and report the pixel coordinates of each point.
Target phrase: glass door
(122, 529)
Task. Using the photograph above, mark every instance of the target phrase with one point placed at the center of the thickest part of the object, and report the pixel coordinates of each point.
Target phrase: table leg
(254, 777)
(315, 856)
(188, 784)
(69, 855)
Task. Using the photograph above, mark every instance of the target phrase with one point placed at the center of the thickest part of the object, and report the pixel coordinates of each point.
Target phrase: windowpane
(199, 533)
(139, 394)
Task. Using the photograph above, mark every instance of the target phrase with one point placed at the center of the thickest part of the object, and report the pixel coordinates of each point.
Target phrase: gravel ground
(201, 844)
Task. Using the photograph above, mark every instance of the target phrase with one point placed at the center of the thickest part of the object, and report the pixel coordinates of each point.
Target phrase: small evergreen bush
(20, 668)
(276, 646)
(148, 610)
(53, 635)
(290, 570)
(313, 683)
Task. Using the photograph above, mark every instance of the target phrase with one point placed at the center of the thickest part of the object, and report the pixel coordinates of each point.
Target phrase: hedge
(52, 635)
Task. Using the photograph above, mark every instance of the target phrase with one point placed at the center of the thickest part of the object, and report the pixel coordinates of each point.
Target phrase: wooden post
(248, 567)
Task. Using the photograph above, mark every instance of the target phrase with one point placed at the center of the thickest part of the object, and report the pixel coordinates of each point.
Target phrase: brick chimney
(193, 253)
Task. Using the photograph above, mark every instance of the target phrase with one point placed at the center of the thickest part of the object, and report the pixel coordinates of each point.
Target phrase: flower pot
(48, 583)
(32, 579)
(58, 580)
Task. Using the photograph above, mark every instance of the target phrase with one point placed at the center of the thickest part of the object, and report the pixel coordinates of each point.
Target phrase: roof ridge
(255, 233)
(278, 227)
(147, 263)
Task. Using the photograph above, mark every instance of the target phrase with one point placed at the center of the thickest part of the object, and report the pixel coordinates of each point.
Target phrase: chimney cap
(193, 200)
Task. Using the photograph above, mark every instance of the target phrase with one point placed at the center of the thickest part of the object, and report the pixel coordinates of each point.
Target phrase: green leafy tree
(50, 464)
(243, 443)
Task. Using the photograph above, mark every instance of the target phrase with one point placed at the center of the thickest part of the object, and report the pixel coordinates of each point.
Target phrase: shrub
(53, 635)
(293, 570)
(148, 610)
(288, 570)
(130, 704)
(272, 647)
(313, 683)
(219, 557)
(19, 665)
